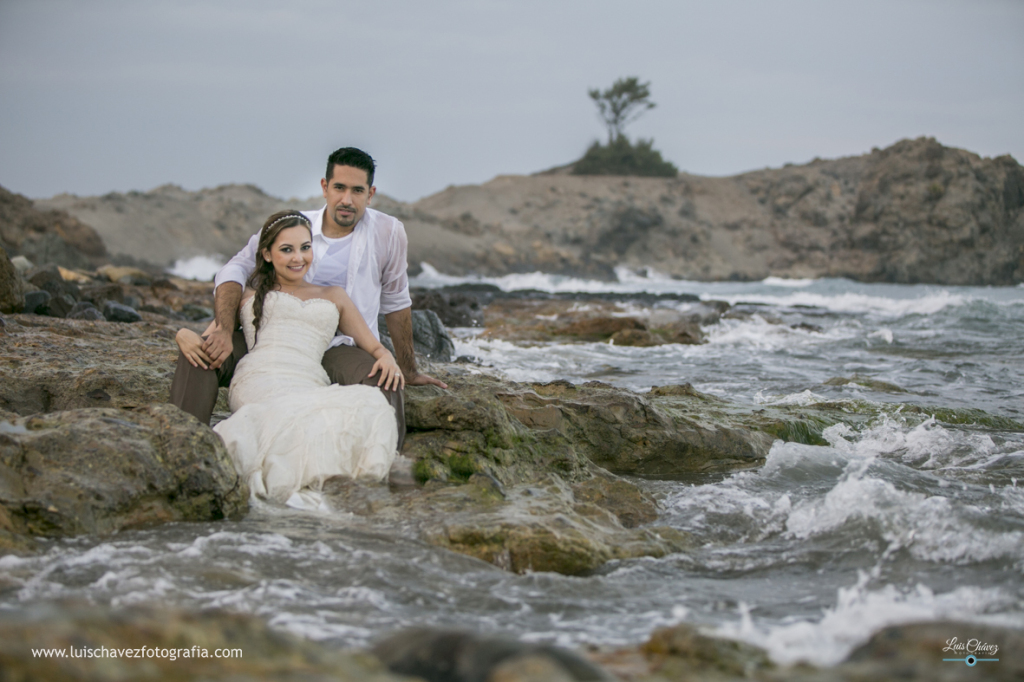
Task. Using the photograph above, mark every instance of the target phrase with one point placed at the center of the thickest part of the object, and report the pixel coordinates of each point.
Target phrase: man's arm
(218, 344)
(400, 328)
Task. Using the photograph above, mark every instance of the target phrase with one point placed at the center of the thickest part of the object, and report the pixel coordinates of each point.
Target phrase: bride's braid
(263, 278)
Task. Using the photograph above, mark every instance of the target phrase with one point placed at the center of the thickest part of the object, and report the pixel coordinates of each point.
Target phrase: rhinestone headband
(291, 216)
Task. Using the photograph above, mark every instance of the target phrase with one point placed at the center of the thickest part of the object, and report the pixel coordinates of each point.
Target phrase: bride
(290, 428)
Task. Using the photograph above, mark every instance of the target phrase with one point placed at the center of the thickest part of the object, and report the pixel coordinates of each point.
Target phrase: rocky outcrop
(49, 364)
(48, 235)
(914, 212)
(525, 476)
(100, 470)
(169, 223)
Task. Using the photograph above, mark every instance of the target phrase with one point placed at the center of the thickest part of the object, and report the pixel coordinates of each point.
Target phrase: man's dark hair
(350, 156)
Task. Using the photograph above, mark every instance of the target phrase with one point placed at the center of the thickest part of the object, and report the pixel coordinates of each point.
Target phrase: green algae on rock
(546, 525)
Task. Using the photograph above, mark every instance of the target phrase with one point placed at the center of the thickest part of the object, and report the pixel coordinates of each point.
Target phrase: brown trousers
(195, 390)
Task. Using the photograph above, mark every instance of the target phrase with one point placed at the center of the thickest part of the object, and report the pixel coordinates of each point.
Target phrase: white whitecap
(201, 268)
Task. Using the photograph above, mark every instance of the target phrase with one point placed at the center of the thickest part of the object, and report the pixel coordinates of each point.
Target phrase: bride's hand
(191, 346)
(391, 378)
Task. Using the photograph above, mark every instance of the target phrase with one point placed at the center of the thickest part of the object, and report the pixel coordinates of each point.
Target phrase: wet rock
(259, 652)
(683, 650)
(455, 309)
(629, 505)
(622, 323)
(430, 339)
(83, 310)
(866, 382)
(102, 469)
(118, 312)
(454, 656)
(917, 650)
(36, 300)
(540, 526)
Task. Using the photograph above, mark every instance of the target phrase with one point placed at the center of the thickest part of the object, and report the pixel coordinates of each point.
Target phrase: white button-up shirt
(376, 280)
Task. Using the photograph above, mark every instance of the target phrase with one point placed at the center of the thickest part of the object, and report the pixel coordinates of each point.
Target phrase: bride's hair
(263, 278)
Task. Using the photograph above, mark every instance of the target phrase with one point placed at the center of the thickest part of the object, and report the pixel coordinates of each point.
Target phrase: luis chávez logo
(973, 650)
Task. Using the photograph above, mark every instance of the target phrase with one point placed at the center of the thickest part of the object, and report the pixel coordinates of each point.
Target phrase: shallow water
(807, 556)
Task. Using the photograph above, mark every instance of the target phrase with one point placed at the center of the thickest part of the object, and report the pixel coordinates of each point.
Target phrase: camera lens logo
(971, 661)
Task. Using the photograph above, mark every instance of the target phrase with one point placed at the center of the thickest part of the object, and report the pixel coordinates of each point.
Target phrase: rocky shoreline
(525, 476)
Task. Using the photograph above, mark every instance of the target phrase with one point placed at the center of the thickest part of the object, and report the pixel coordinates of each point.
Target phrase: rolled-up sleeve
(240, 266)
(394, 291)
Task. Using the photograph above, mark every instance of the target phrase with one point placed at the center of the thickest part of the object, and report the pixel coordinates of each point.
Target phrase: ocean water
(807, 556)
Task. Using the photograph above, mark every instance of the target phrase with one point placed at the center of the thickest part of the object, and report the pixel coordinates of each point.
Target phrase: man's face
(347, 192)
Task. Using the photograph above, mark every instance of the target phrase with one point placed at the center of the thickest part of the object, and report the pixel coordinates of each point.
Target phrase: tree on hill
(624, 102)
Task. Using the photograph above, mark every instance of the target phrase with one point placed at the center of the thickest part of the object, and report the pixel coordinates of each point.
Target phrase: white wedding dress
(290, 428)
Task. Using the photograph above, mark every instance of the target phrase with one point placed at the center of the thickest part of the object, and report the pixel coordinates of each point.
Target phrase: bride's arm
(351, 323)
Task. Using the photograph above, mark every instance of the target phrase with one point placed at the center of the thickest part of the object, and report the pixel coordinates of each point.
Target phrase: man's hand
(420, 379)
(218, 346)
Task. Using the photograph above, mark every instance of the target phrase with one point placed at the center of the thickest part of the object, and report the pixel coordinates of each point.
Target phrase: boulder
(36, 301)
(456, 309)
(438, 655)
(12, 299)
(119, 312)
(49, 278)
(100, 470)
(429, 337)
(58, 306)
(83, 310)
(538, 527)
(22, 264)
(99, 293)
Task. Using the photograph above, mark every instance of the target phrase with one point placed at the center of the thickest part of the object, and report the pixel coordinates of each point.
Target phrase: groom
(354, 247)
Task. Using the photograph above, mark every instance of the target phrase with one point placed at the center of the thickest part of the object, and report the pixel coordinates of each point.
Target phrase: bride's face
(291, 254)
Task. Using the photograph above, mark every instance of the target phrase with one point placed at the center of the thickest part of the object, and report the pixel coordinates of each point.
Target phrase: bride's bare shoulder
(336, 295)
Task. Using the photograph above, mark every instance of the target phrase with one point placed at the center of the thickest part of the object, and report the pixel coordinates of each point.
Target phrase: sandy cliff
(168, 223)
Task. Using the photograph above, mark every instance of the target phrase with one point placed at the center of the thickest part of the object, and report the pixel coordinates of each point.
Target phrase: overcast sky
(109, 95)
